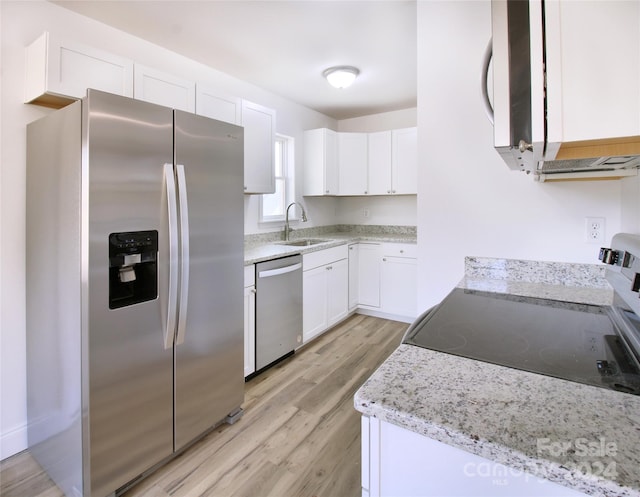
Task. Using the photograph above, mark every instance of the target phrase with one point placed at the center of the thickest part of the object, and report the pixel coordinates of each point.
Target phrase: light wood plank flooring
(299, 436)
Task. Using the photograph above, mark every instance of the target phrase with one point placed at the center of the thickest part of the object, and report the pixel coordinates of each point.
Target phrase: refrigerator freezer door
(209, 377)
(130, 406)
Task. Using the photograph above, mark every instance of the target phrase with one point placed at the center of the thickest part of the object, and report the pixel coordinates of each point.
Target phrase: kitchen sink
(304, 242)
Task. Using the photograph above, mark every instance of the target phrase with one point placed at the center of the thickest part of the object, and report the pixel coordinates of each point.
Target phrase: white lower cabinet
(398, 279)
(354, 263)
(369, 274)
(400, 462)
(325, 290)
(386, 279)
(249, 320)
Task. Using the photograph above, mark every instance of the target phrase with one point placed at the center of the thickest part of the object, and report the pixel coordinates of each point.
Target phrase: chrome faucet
(287, 229)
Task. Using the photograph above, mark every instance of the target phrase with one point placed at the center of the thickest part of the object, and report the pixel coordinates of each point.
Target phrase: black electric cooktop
(575, 342)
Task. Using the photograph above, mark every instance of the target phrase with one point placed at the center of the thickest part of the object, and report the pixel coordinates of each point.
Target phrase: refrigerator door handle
(172, 300)
(184, 254)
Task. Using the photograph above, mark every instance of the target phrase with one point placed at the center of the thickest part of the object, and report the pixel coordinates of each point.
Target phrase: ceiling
(284, 46)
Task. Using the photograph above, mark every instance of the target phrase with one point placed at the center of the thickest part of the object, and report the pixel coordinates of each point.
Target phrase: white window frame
(288, 176)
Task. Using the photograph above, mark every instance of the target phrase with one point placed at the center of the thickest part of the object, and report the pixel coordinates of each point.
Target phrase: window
(273, 205)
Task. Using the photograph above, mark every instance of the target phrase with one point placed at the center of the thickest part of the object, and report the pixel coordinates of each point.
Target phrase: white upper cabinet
(217, 105)
(259, 137)
(320, 162)
(380, 163)
(165, 89)
(593, 69)
(58, 72)
(383, 163)
(352, 164)
(404, 161)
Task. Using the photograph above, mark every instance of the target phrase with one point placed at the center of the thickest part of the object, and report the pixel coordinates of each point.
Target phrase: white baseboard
(13, 441)
(384, 315)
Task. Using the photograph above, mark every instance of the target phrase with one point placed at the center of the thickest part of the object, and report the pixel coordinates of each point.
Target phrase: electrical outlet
(594, 229)
(365, 212)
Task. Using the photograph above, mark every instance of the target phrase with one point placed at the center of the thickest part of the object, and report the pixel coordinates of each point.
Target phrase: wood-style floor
(299, 436)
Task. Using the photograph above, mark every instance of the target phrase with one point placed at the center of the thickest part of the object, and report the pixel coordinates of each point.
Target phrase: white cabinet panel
(404, 162)
(59, 71)
(217, 105)
(325, 290)
(259, 136)
(353, 275)
(320, 162)
(314, 298)
(249, 320)
(352, 164)
(337, 291)
(380, 163)
(398, 286)
(165, 89)
(404, 463)
(249, 330)
(369, 274)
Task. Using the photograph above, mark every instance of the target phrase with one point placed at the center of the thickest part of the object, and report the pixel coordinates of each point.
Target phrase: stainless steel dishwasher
(278, 309)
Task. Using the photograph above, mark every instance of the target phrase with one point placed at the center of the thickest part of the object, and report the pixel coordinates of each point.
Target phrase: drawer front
(249, 275)
(322, 257)
(400, 250)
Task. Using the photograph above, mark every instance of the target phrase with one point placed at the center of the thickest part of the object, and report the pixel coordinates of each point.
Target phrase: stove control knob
(608, 256)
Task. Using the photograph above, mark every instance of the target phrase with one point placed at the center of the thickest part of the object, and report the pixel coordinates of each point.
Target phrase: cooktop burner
(575, 342)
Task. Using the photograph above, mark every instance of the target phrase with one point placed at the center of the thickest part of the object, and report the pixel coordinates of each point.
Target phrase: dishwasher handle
(281, 270)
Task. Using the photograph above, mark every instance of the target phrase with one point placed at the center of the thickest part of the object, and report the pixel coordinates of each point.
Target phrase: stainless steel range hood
(542, 96)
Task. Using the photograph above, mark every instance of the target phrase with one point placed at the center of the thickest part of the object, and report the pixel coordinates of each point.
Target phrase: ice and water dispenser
(133, 268)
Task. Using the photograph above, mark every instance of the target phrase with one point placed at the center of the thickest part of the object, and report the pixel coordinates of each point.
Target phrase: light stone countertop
(515, 417)
(266, 248)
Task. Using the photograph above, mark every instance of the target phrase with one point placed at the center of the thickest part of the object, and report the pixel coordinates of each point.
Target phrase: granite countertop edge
(260, 252)
(501, 413)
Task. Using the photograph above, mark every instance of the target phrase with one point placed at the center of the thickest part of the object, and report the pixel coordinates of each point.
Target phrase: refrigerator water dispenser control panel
(133, 268)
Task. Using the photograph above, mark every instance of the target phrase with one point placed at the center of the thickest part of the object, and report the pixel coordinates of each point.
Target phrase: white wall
(21, 23)
(469, 202)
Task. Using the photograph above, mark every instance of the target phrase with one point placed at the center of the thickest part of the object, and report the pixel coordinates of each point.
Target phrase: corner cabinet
(249, 320)
(404, 161)
(259, 137)
(57, 72)
(320, 162)
(350, 164)
(325, 290)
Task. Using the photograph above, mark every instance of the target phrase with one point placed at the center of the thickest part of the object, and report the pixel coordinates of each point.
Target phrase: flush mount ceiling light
(341, 76)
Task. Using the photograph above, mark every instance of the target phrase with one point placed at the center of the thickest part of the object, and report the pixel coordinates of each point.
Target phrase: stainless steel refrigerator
(134, 287)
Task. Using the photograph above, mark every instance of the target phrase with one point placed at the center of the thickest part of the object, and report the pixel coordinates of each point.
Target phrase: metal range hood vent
(592, 159)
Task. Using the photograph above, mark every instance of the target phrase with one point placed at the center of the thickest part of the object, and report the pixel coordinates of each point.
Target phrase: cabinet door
(249, 330)
(259, 135)
(398, 286)
(352, 163)
(337, 291)
(379, 146)
(314, 302)
(404, 163)
(59, 71)
(353, 275)
(214, 104)
(369, 274)
(160, 88)
(320, 162)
